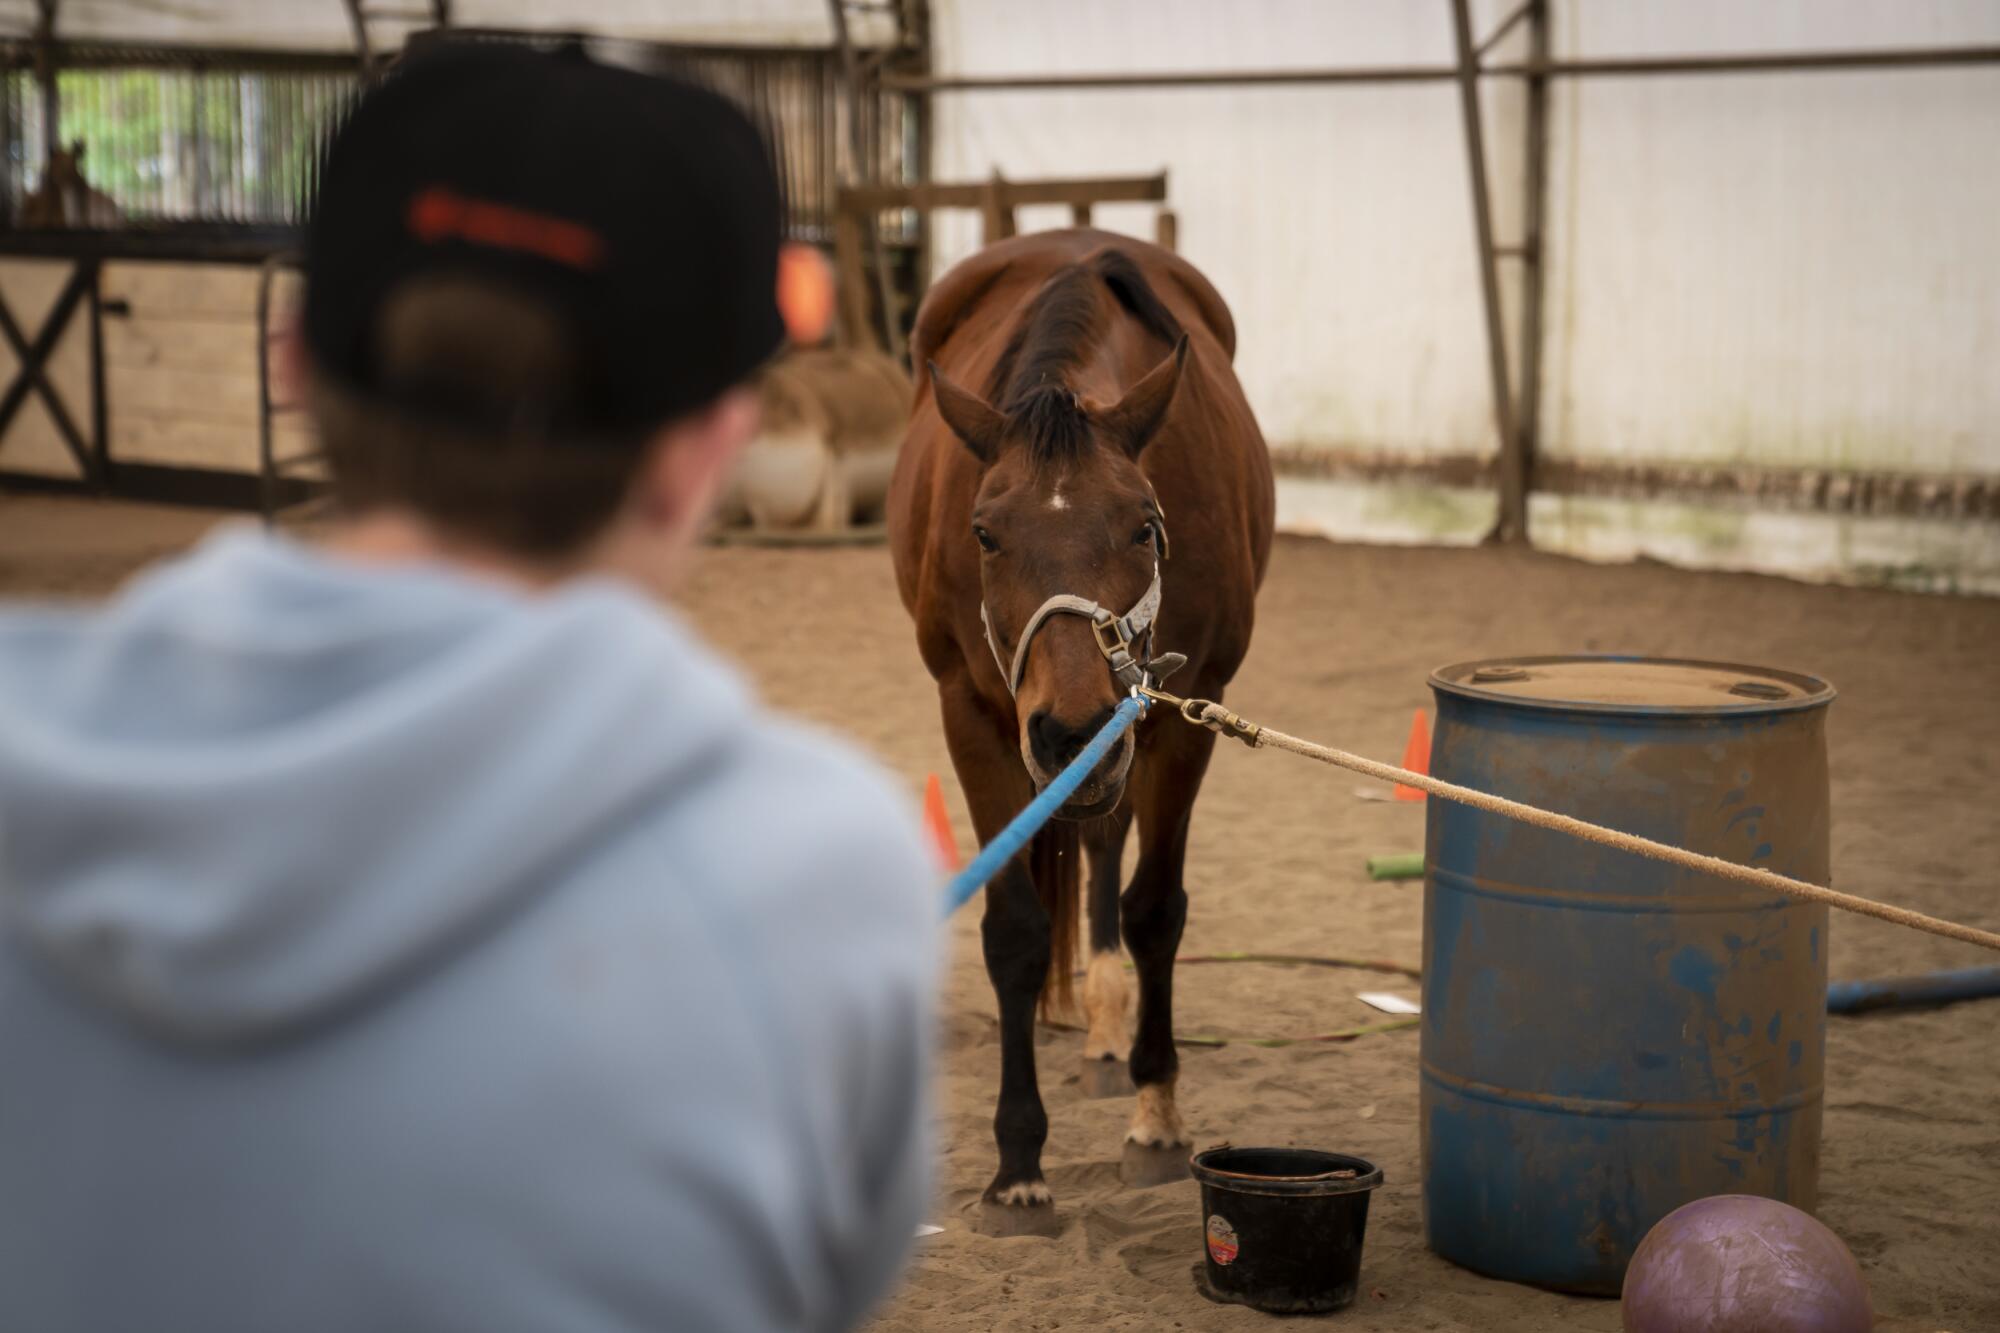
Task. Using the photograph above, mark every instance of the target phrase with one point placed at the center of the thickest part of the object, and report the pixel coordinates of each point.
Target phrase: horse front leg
(1107, 999)
(1014, 935)
(1154, 911)
(1107, 994)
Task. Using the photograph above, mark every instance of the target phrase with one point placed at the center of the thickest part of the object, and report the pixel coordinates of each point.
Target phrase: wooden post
(1166, 229)
(997, 211)
(1079, 215)
(857, 329)
(100, 424)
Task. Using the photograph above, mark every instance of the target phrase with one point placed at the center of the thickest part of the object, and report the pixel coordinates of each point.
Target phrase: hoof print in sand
(1142, 1167)
(1101, 1079)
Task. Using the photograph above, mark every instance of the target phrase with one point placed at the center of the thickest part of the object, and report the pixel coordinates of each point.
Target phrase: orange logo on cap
(439, 214)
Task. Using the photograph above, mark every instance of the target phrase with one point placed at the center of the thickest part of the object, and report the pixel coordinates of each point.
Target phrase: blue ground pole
(1038, 811)
(1854, 997)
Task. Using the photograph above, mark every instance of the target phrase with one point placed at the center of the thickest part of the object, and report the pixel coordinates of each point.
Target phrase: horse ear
(970, 417)
(1134, 418)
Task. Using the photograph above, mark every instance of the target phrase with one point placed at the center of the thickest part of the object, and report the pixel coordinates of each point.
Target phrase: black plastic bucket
(1283, 1227)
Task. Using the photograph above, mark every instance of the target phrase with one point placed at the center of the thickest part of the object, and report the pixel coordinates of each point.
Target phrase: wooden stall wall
(33, 442)
(148, 376)
(180, 364)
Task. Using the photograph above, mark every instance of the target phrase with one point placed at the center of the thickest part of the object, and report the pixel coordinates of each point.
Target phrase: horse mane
(1029, 381)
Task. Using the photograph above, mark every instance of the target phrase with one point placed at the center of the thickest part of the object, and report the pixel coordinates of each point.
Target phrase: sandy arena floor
(1911, 1170)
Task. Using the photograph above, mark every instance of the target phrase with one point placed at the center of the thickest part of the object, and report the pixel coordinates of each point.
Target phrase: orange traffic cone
(938, 822)
(1416, 756)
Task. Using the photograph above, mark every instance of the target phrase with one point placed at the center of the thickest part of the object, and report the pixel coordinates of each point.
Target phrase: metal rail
(1596, 66)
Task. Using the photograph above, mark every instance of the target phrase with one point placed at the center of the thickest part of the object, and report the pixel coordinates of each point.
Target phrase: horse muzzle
(1047, 748)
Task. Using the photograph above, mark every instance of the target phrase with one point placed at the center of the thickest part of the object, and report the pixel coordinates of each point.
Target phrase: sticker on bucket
(1221, 1240)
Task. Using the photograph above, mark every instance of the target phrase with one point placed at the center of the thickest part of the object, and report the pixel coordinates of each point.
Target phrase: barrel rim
(1819, 691)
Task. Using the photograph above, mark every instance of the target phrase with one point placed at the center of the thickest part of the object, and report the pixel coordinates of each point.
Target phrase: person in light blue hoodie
(422, 929)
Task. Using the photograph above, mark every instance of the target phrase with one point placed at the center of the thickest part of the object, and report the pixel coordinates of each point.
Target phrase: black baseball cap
(641, 210)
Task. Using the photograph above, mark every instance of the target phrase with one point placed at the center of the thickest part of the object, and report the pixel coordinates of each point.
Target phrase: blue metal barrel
(1605, 1037)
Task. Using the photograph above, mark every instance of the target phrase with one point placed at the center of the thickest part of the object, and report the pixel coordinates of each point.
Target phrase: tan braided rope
(1220, 718)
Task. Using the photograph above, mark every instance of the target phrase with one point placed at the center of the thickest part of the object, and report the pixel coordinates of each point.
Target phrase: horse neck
(1079, 336)
(1061, 338)
(85, 205)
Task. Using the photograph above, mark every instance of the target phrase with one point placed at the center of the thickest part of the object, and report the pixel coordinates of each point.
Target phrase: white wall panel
(1335, 220)
(1784, 270)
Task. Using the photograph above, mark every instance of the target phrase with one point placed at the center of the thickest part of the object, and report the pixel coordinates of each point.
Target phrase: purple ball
(1735, 1263)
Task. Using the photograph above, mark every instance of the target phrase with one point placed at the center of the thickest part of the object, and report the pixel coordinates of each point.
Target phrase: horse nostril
(1046, 737)
(1056, 742)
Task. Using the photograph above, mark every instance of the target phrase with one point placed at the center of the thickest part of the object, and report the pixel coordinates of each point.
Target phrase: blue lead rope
(1038, 812)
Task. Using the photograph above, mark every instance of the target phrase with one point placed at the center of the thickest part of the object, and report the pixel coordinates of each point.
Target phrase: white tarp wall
(1768, 269)
(1789, 270)
(1335, 220)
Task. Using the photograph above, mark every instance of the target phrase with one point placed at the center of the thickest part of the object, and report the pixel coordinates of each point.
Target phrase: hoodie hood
(264, 783)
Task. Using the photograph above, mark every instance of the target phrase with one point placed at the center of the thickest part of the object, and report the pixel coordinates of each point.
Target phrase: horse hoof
(1100, 1079)
(1024, 1209)
(1143, 1168)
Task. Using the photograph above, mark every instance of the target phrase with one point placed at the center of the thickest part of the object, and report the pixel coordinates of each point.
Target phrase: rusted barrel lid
(1633, 685)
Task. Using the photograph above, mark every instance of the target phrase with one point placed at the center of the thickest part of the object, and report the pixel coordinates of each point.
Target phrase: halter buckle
(1111, 637)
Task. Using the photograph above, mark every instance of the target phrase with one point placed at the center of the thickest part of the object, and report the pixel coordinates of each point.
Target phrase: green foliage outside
(179, 144)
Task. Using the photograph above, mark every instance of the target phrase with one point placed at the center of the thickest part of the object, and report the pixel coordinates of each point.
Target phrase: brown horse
(1032, 511)
(65, 199)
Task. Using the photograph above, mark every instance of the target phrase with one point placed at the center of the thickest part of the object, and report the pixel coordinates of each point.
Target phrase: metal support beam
(857, 170)
(1764, 62)
(364, 50)
(1907, 57)
(934, 83)
(1507, 25)
(1534, 252)
(46, 64)
(19, 53)
(1512, 523)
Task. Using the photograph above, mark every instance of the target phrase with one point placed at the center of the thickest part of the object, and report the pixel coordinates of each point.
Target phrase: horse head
(1071, 537)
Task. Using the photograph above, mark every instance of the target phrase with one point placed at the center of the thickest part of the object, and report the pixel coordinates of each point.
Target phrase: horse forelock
(1050, 422)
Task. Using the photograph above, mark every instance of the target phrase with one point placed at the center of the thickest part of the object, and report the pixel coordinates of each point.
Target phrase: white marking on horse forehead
(1056, 500)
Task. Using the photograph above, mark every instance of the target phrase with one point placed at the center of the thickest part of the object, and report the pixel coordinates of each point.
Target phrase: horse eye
(986, 542)
(1144, 536)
